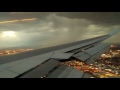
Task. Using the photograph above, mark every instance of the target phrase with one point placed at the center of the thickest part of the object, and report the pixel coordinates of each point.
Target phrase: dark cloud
(54, 28)
(21, 15)
(101, 18)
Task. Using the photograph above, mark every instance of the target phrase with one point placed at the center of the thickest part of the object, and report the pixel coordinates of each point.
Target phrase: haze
(45, 29)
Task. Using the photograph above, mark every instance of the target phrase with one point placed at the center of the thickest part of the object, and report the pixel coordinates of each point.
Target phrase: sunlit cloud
(17, 12)
(28, 19)
(50, 30)
(23, 20)
(8, 34)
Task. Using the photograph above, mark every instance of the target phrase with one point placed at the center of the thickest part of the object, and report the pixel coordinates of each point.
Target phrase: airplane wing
(46, 62)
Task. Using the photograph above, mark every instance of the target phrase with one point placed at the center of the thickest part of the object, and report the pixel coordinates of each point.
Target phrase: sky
(45, 29)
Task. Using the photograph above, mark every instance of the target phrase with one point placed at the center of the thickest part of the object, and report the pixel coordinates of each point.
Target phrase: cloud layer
(52, 28)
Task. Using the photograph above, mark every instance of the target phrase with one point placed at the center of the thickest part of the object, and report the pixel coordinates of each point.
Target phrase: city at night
(107, 65)
(59, 45)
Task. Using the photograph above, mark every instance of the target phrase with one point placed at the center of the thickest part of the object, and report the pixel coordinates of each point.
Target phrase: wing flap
(83, 56)
(42, 70)
(66, 72)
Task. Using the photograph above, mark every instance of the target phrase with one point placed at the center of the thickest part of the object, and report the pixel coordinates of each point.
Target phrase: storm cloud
(100, 18)
(55, 28)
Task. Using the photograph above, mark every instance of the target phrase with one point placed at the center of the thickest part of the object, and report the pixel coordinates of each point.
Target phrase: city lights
(107, 66)
(8, 52)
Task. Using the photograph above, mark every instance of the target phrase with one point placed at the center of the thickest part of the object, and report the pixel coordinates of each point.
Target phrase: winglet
(114, 32)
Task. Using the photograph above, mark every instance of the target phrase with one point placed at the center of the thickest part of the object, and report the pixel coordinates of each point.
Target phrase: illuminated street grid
(9, 52)
(107, 66)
